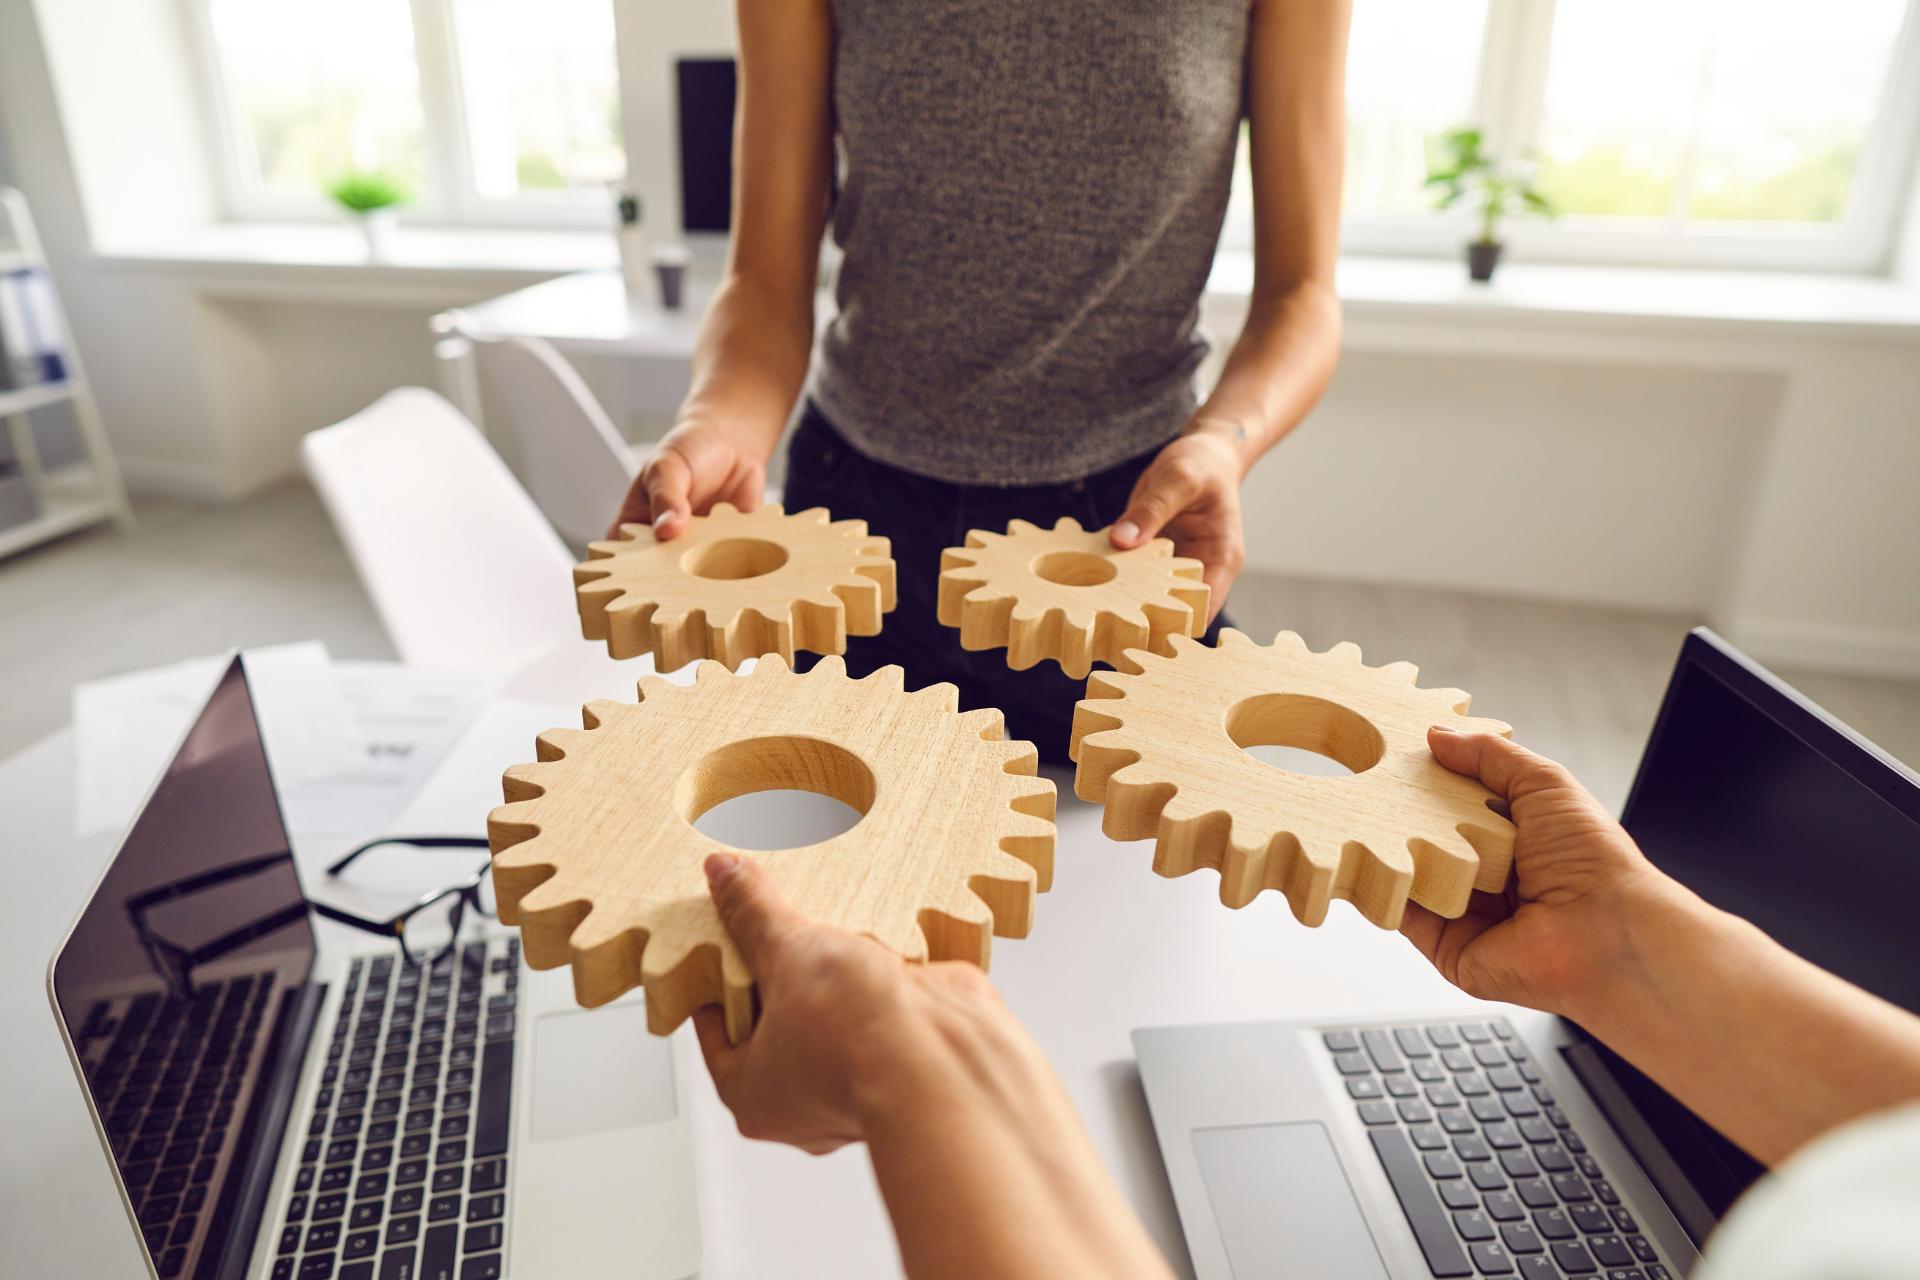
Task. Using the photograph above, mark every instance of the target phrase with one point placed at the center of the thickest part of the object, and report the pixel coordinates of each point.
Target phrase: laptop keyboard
(167, 1084)
(403, 1172)
(1493, 1177)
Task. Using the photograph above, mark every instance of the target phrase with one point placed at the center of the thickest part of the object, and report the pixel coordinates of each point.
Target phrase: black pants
(923, 517)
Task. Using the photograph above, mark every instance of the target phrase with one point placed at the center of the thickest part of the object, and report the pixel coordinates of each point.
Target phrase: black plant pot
(1482, 257)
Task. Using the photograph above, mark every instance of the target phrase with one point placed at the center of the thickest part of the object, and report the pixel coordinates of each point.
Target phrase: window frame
(449, 197)
(1509, 105)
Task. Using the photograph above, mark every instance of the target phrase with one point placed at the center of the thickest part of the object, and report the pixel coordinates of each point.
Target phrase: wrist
(1652, 929)
(1231, 437)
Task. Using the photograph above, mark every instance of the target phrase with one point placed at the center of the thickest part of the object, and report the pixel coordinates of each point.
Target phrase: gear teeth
(945, 696)
(960, 927)
(891, 678)
(1421, 833)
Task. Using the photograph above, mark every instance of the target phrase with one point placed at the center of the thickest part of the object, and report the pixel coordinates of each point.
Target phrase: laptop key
(1605, 1192)
(323, 1236)
(1475, 1032)
(1380, 1048)
(1457, 1195)
(361, 1244)
(1402, 1086)
(296, 1208)
(1610, 1250)
(448, 1179)
(1519, 1164)
(1441, 1165)
(1431, 1227)
(1572, 1257)
(1471, 1147)
(437, 1250)
(1491, 1259)
(1536, 1130)
(1521, 1238)
(486, 1208)
(1642, 1249)
(1361, 1088)
(1572, 1187)
(1456, 1120)
(481, 1239)
(1376, 1113)
(492, 1175)
(1340, 1041)
(442, 1207)
(1426, 1137)
(1427, 1071)
(1443, 1095)
(486, 1266)
(1534, 1193)
(1553, 1224)
(1411, 1042)
(357, 1271)
(492, 1116)
(1443, 1037)
(1352, 1064)
(1590, 1218)
(366, 1214)
(408, 1200)
(326, 1208)
(1472, 1225)
(1501, 1136)
(1502, 1207)
(404, 1230)
(410, 1172)
(1486, 1177)
(1624, 1221)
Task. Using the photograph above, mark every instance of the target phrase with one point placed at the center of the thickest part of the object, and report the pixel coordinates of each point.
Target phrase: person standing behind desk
(1028, 202)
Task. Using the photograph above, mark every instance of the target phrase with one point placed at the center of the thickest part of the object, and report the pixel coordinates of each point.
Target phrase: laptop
(273, 1106)
(1512, 1143)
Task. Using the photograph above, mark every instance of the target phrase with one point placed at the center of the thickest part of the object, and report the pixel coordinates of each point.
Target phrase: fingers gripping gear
(736, 585)
(1068, 594)
(596, 859)
(1158, 743)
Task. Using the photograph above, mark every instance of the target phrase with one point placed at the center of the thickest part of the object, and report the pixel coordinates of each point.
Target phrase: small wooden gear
(1068, 594)
(595, 857)
(736, 585)
(1159, 743)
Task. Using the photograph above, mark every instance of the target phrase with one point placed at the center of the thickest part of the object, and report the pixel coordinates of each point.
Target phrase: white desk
(1114, 947)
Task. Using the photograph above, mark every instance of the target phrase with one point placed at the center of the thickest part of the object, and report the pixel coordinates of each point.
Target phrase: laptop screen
(177, 988)
(1768, 808)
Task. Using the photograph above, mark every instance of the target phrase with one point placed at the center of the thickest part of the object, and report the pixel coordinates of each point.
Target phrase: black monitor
(1768, 807)
(706, 98)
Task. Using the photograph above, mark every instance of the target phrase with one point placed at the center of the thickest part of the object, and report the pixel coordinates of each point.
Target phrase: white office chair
(459, 562)
(546, 424)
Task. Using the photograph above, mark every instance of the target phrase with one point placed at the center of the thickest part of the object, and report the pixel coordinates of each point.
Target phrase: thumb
(751, 909)
(1502, 765)
(668, 480)
(1160, 495)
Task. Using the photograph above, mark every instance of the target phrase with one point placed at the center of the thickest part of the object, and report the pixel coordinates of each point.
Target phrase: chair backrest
(459, 562)
(552, 432)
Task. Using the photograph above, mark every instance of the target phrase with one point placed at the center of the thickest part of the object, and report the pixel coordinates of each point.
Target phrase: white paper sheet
(127, 727)
(405, 720)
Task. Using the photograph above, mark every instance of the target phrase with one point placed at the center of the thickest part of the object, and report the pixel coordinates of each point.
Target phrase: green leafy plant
(365, 190)
(1466, 173)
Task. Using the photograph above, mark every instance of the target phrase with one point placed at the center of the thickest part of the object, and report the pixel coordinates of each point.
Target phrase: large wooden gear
(1159, 744)
(736, 585)
(597, 861)
(1068, 594)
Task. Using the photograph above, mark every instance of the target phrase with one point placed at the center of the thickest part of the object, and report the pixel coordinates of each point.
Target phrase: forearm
(1277, 370)
(1764, 1046)
(751, 359)
(986, 1170)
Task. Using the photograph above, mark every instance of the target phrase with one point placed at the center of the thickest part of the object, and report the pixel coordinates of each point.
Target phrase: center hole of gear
(1074, 568)
(1303, 734)
(732, 558)
(775, 793)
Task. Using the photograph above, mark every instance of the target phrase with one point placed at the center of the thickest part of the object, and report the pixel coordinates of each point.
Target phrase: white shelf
(70, 499)
(38, 396)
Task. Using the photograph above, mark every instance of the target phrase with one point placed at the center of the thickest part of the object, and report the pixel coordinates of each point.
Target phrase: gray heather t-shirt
(1030, 196)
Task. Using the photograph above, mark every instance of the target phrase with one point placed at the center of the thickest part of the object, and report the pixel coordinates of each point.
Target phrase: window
(490, 111)
(1759, 133)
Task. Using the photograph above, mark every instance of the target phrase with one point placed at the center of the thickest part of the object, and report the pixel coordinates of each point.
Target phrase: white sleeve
(1848, 1205)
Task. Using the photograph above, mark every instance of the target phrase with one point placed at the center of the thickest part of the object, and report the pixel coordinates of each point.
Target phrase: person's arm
(1280, 366)
(979, 1155)
(1764, 1046)
(756, 339)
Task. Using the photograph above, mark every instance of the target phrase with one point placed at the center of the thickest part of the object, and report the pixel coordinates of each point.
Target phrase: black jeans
(923, 517)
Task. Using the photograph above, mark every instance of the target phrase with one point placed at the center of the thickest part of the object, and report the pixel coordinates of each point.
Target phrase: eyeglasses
(476, 891)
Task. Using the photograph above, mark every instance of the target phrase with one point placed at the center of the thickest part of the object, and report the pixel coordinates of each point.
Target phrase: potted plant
(1465, 172)
(372, 197)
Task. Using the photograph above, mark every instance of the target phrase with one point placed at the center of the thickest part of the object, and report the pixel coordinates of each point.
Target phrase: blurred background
(1686, 393)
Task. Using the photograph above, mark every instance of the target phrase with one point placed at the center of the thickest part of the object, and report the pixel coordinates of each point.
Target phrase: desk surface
(1114, 947)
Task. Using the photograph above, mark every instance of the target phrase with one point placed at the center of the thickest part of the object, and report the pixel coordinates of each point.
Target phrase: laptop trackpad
(599, 1069)
(1283, 1203)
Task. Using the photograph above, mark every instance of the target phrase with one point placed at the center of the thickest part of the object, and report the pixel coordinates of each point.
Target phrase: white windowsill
(332, 259)
(1561, 296)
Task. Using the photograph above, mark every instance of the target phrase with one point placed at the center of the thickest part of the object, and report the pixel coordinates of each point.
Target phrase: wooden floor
(1578, 683)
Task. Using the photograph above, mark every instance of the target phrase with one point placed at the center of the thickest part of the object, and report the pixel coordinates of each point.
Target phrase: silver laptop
(1511, 1143)
(272, 1108)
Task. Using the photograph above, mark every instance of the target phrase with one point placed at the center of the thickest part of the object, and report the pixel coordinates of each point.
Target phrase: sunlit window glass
(318, 89)
(542, 95)
(1755, 110)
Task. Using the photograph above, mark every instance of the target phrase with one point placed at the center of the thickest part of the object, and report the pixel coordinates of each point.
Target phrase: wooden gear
(1068, 594)
(736, 585)
(597, 861)
(1158, 743)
